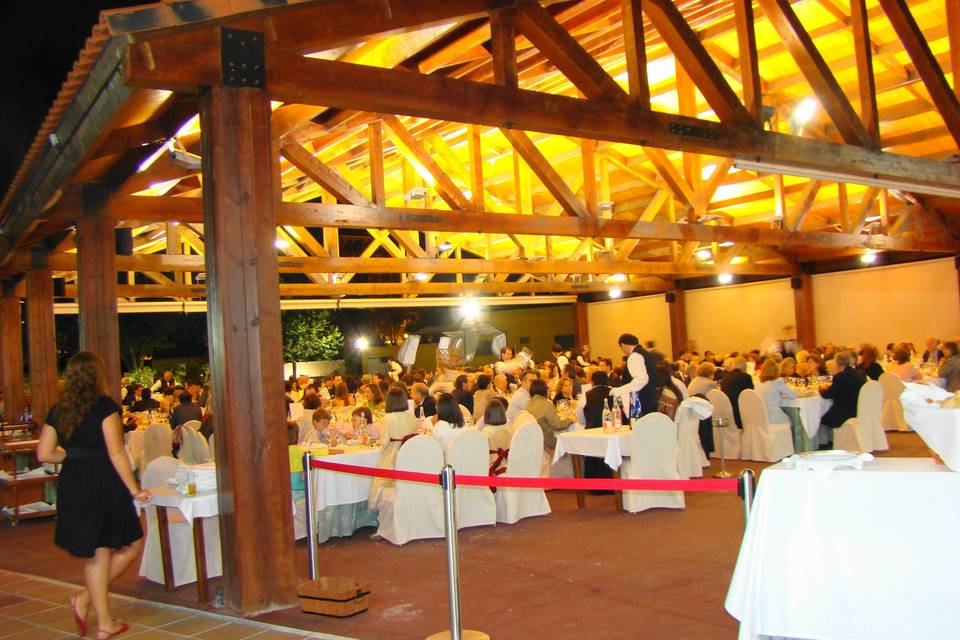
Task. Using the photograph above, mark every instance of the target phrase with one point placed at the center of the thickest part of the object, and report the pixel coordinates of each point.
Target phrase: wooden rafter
(548, 175)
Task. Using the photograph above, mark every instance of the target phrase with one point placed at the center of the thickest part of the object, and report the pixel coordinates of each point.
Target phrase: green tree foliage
(310, 335)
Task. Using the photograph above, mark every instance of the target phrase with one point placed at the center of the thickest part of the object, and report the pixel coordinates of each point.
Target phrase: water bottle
(617, 415)
(607, 417)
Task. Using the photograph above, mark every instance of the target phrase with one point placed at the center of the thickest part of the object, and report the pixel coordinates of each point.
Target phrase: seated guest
(596, 400)
(185, 411)
(868, 364)
(735, 381)
(788, 368)
(145, 403)
(774, 391)
(546, 415)
(372, 395)
(320, 423)
(449, 419)
(520, 398)
(950, 369)
(564, 390)
(933, 354)
(134, 394)
(342, 396)
(498, 434)
(397, 424)
(844, 392)
(501, 386)
(668, 393)
(424, 404)
(481, 396)
(902, 367)
(463, 392)
(704, 380)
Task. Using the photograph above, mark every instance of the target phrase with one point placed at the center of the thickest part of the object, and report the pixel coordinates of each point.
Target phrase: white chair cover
(654, 453)
(526, 452)
(296, 410)
(523, 417)
(413, 510)
(181, 534)
(468, 454)
(157, 442)
(133, 442)
(213, 451)
(864, 432)
(193, 447)
(891, 416)
(731, 434)
(692, 460)
(194, 425)
(761, 440)
(304, 424)
(467, 416)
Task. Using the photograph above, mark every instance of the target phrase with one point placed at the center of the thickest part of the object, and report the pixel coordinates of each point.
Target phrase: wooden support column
(240, 194)
(677, 304)
(803, 310)
(97, 280)
(41, 338)
(11, 350)
(581, 330)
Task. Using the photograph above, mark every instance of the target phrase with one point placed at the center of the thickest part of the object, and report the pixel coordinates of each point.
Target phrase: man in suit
(933, 354)
(845, 391)
(424, 404)
(596, 399)
(734, 382)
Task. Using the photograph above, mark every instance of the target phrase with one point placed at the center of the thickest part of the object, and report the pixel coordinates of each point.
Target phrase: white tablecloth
(612, 447)
(857, 555)
(202, 505)
(812, 409)
(939, 428)
(331, 489)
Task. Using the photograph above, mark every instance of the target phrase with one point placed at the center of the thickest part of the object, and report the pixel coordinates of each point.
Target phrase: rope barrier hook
(747, 484)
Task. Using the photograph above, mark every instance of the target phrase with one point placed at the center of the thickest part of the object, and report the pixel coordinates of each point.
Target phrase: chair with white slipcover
(864, 432)
(730, 433)
(193, 446)
(212, 448)
(762, 441)
(181, 534)
(526, 453)
(469, 454)
(654, 453)
(413, 510)
(691, 459)
(157, 442)
(891, 416)
(304, 424)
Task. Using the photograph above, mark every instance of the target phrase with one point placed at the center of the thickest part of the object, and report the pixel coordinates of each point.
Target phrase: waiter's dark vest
(596, 400)
(648, 393)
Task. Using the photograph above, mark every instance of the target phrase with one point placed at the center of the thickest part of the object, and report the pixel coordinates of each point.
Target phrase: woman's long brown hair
(85, 379)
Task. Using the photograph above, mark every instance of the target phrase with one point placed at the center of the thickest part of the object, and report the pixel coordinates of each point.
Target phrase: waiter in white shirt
(636, 375)
(562, 360)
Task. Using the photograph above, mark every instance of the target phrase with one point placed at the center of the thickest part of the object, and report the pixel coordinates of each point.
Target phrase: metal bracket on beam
(242, 59)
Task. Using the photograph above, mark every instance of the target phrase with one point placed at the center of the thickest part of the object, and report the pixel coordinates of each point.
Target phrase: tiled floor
(35, 608)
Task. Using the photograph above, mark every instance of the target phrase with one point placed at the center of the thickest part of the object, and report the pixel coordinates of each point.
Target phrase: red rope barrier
(578, 484)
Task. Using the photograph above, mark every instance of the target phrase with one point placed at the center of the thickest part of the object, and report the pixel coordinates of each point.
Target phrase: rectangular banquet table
(856, 555)
(194, 508)
(611, 446)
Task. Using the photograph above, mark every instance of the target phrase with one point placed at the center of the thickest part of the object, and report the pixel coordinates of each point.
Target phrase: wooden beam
(246, 362)
(41, 341)
(674, 181)
(678, 321)
(689, 50)
(635, 52)
(354, 217)
(589, 163)
(563, 50)
(863, 48)
(323, 175)
(503, 47)
(953, 37)
(476, 166)
(946, 101)
(378, 191)
(803, 311)
(410, 146)
(816, 70)
(804, 205)
(351, 86)
(749, 61)
(545, 171)
(11, 350)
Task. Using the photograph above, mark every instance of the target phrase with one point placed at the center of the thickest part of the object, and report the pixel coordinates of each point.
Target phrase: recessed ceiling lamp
(615, 293)
(725, 278)
(869, 257)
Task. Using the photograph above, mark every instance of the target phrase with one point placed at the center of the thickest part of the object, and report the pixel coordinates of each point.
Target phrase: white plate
(172, 482)
(833, 455)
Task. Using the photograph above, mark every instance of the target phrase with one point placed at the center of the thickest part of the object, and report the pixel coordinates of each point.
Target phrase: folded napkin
(919, 394)
(699, 406)
(822, 463)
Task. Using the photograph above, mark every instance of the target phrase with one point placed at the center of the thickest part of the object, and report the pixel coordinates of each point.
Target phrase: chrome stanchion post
(448, 482)
(747, 481)
(311, 517)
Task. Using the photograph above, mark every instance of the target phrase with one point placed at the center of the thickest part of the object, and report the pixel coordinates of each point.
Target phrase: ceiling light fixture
(725, 278)
(615, 293)
(870, 257)
(704, 254)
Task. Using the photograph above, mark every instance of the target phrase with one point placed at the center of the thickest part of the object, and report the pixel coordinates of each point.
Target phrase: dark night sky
(39, 42)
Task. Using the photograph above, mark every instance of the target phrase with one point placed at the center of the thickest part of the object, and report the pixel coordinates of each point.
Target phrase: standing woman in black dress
(96, 518)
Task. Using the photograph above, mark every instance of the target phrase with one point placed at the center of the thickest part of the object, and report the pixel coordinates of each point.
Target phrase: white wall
(738, 317)
(899, 303)
(648, 318)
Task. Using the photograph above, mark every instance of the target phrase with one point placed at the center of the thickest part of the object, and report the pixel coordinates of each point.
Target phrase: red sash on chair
(404, 438)
(502, 454)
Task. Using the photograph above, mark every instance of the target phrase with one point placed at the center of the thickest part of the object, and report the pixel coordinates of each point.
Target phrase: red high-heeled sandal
(77, 618)
(112, 634)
